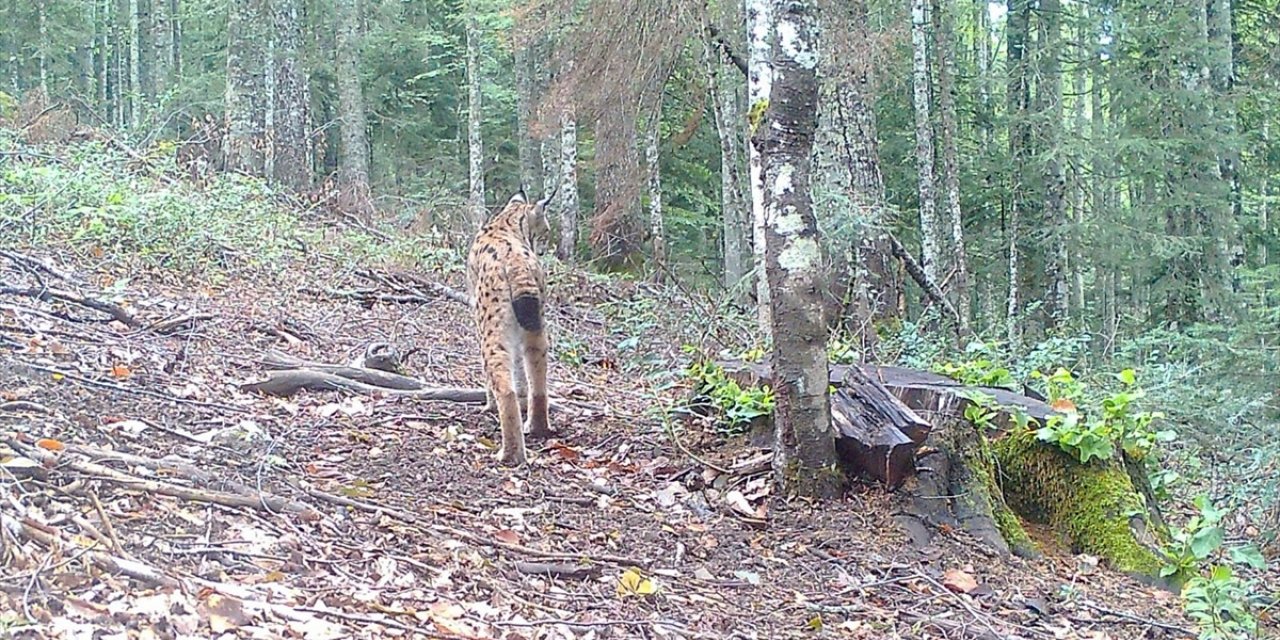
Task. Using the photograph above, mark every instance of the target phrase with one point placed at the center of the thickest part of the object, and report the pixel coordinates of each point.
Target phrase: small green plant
(1097, 434)
(841, 351)
(979, 369)
(738, 406)
(1219, 605)
(982, 409)
(1219, 601)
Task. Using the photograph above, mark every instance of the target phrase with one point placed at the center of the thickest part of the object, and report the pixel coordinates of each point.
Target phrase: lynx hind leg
(534, 347)
(498, 372)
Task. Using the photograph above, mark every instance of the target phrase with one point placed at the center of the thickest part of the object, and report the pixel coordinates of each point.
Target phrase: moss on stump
(1094, 504)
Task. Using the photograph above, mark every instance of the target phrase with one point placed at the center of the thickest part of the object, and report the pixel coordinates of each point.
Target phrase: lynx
(507, 287)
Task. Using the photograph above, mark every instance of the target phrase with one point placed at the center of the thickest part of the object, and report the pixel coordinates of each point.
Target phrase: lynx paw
(537, 430)
(511, 458)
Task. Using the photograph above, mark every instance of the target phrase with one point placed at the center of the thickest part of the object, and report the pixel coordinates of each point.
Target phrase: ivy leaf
(1128, 376)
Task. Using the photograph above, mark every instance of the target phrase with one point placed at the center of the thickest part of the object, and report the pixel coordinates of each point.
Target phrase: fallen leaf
(565, 451)
(1063, 405)
(224, 613)
(120, 371)
(959, 581)
(50, 444)
(508, 536)
(631, 583)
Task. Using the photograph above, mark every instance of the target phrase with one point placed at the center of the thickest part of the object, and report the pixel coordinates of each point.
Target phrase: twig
(441, 530)
(171, 324)
(1137, 619)
(386, 622)
(130, 390)
(52, 539)
(261, 501)
(556, 570)
(51, 295)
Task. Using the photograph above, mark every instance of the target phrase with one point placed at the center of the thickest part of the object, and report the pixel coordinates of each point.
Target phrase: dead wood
(289, 382)
(930, 288)
(557, 570)
(876, 434)
(169, 325)
(255, 500)
(112, 386)
(47, 294)
(371, 376)
(50, 538)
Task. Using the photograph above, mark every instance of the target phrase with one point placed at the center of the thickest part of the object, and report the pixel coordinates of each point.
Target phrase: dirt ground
(140, 511)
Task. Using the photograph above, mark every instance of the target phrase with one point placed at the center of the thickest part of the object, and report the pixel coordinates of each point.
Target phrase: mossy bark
(1095, 505)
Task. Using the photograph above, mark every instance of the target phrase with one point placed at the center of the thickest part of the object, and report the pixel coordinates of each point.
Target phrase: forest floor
(144, 515)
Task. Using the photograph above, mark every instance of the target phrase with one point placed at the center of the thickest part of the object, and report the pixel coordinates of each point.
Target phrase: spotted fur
(508, 289)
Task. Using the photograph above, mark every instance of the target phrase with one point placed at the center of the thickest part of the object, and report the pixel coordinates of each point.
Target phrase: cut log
(876, 434)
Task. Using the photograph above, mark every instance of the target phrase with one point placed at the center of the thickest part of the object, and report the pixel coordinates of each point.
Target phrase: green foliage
(1112, 422)
(1219, 601)
(978, 369)
(736, 406)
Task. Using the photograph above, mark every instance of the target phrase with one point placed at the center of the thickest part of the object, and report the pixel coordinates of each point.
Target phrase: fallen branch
(289, 382)
(172, 324)
(1137, 619)
(556, 570)
(53, 540)
(57, 295)
(930, 288)
(260, 501)
(111, 386)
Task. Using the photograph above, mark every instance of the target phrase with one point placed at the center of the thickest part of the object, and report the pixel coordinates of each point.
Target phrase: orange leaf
(565, 451)
(508, 536)
(959, 581)
(120, 371)
(1064, 405)
(50, 444)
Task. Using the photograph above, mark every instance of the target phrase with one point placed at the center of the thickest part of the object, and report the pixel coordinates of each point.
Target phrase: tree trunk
(932, 231)
(475, 142)
(1055, 188)
(99, 48)
(42, 50)
(657, 226)
(614, 225)
(568, 192)
(245, 100)
(291, 146)
(353, 157)
(1019, 99)
(951, 215)
(804, 447)
(175, 39)
(527, 146)
(759, 81)
(733, 217)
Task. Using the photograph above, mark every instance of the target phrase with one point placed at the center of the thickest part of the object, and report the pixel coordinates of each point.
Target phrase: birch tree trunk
(353, 158)
(804, 456)
(759, 81)
(931, 230)
(733, 215)
(291, 149)
(160, 33)
(568, 192)
(657, 226)
(475, 143)
(100, 48)
(244, 142)
(1016, 32)
(1055, 219)
(42, 50)
(951, 217)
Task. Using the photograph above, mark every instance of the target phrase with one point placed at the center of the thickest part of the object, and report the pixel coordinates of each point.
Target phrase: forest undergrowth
(146, 489)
